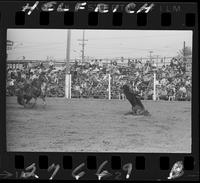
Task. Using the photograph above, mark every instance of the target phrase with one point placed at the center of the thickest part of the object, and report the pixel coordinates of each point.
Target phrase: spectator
(91, 79)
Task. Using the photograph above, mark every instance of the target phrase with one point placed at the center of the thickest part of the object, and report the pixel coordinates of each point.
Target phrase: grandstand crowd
(90, 80)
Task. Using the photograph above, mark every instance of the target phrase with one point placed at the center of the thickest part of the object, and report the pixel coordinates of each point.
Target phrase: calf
(137, 106)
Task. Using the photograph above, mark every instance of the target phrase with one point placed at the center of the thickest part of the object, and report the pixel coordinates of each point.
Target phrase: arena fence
(108, 84)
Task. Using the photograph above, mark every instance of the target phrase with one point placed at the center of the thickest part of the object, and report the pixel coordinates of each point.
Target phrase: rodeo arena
(78, 105)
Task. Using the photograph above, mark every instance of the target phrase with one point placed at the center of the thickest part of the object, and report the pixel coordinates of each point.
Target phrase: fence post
(154, 86)
(109, 86)
(68, 86)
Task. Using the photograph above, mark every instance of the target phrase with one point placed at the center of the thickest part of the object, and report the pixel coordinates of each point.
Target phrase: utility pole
(157, 62)
(150, 56)
(83, 46)
(184, 51)
(68, 76)
(164, 60)
(68, 51)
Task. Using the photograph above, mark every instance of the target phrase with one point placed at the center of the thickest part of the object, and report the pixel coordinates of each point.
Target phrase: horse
(32, 90)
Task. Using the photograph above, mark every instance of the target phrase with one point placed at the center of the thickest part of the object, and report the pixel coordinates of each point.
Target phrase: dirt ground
(98, 125)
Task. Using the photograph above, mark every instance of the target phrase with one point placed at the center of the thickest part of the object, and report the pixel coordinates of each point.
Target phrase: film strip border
(101, 15)
(102, 166)
(117, 19)
(164, 16)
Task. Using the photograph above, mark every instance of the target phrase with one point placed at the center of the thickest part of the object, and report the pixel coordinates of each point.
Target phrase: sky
(37, 44)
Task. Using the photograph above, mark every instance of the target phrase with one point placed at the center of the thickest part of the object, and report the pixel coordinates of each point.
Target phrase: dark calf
(133, 98)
